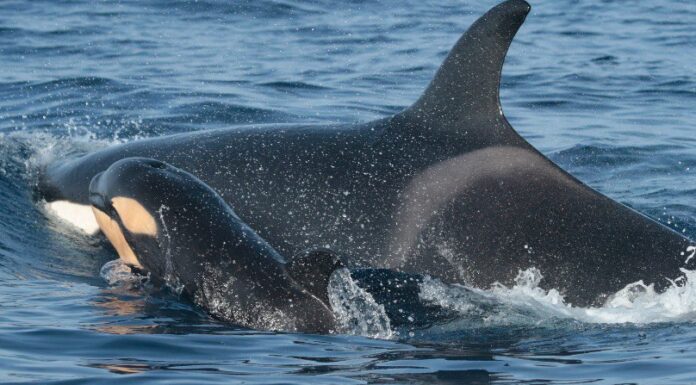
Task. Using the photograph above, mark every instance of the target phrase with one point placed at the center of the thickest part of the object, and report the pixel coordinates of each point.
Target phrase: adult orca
(445, 187)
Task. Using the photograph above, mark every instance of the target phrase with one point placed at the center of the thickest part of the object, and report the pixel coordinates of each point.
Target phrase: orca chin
(446, 187)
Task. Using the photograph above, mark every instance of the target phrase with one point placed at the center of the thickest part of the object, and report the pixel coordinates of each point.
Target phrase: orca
(165, 222)
(446, 187)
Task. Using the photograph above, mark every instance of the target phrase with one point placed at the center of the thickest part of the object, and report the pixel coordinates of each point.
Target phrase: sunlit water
(607, 90)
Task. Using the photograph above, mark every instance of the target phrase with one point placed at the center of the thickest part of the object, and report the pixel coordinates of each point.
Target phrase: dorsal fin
(465, 90)
(312, 270)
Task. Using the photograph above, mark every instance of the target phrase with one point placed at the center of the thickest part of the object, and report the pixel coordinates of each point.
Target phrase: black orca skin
(446, 187)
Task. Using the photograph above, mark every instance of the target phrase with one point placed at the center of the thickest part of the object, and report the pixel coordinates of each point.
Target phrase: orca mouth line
(98, 200)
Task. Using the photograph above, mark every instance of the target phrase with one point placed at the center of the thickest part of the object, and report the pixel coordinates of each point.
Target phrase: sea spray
(356, 310)
(526, 302)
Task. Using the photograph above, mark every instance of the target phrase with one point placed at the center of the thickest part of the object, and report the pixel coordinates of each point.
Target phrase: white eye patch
(134, 217)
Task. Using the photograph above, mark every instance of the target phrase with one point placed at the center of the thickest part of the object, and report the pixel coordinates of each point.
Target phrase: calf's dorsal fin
(464, 94)
(312, 269)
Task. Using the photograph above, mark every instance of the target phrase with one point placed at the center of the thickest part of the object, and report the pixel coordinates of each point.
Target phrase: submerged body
(445, 188)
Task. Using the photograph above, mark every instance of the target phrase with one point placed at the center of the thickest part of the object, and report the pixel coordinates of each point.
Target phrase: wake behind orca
(445, 187)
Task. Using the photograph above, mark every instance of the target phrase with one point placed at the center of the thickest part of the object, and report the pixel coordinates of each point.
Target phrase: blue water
(605, 89)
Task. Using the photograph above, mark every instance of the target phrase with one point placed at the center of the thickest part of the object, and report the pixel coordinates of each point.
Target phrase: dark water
(606, 89)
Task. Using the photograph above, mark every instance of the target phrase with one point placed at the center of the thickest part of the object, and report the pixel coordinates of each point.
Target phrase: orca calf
(164, 221)
(445, 187)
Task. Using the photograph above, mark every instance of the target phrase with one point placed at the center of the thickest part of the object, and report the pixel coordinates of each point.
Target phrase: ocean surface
(606, 89)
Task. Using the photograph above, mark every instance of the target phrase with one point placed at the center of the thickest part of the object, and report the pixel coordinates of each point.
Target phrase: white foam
(117, 273)
(526, 302)
(77, 215)
(640, 303)
(356, 310)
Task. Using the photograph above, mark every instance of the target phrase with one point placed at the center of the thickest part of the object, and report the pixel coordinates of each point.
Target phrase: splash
(356, 310)
(640, 303)
(117, 273)
(525, 303)
(171, 279)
